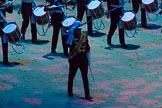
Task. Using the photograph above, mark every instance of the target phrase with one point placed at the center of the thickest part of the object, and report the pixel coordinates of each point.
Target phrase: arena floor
(119, 78)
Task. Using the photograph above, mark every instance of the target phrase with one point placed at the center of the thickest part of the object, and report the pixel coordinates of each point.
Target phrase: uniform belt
(81, 50)
(57, 11)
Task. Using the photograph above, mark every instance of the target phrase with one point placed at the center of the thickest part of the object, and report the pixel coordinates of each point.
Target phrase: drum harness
(99, 26)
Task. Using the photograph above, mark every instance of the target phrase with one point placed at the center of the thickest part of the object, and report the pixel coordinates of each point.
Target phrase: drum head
(68, 21)
(128, 16)
(147, 2)
(9, 28)
(93, 4)
(39, 11)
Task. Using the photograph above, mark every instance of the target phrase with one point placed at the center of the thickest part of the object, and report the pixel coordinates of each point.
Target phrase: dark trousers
(55, 38)
(5, 52)
(4, 45)
(79, 62)
(57, 18)
(114, 23)
(65, 47)
(56, 31)
(26, 15)
(136, 6)
(80, 14)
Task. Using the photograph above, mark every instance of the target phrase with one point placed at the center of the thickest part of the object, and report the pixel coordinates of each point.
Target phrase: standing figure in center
(81, 8)
(115, 17)
(79, 58)
(56, 18)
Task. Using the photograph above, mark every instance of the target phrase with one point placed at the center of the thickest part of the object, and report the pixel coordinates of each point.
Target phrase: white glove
(89, 58)
(10, 3)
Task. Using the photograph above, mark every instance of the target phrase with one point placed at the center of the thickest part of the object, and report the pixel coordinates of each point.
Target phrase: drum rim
(128, 12)
(41, 6)
(8, 24)
(99, 3)
(144, 2)
(67, 18)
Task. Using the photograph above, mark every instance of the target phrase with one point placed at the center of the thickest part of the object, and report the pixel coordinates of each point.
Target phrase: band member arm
(8, 6)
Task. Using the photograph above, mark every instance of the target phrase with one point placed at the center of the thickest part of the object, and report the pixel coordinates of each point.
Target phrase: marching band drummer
(56, 19)
(27, 15)
(81, 8)
(8, 7)
(136, 4)
(115, 17)
(79, 57)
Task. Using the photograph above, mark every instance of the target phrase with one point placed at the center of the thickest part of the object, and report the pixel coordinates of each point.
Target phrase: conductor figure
(79, 57)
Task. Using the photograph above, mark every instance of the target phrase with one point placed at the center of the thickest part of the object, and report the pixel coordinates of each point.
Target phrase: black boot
(109, 40)
(34, 32)
(65, 48)
(89, 24)
(23, 37)
(5, 53)
(122, 39)
(143, 18)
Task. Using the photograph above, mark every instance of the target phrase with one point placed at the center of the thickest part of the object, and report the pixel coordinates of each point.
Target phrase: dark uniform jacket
(57, 14)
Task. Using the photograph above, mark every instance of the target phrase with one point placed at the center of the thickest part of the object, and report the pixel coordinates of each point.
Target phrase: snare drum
(96, 9)
(151, 6)
(12, 32)
(129, 20)
(68, 22)
(40, 15)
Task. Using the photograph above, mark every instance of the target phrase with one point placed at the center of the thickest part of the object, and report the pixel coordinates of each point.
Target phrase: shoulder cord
(78, 46)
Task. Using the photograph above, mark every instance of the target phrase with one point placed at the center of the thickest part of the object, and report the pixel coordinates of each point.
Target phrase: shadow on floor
(130, 47)
(11, 64)
(52, 56)
(38, 42)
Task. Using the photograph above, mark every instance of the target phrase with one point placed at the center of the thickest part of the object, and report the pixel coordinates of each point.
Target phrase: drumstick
(4, 4)
(2, 15)
(91, 72)
(52, 7)
(115, 7)
(108, 11)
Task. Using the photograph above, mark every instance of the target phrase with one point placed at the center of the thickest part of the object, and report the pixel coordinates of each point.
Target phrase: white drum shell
(129, 21)
(151, 6)
(41, 17)
(68, 22)
(12, 32)
(96, 9)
